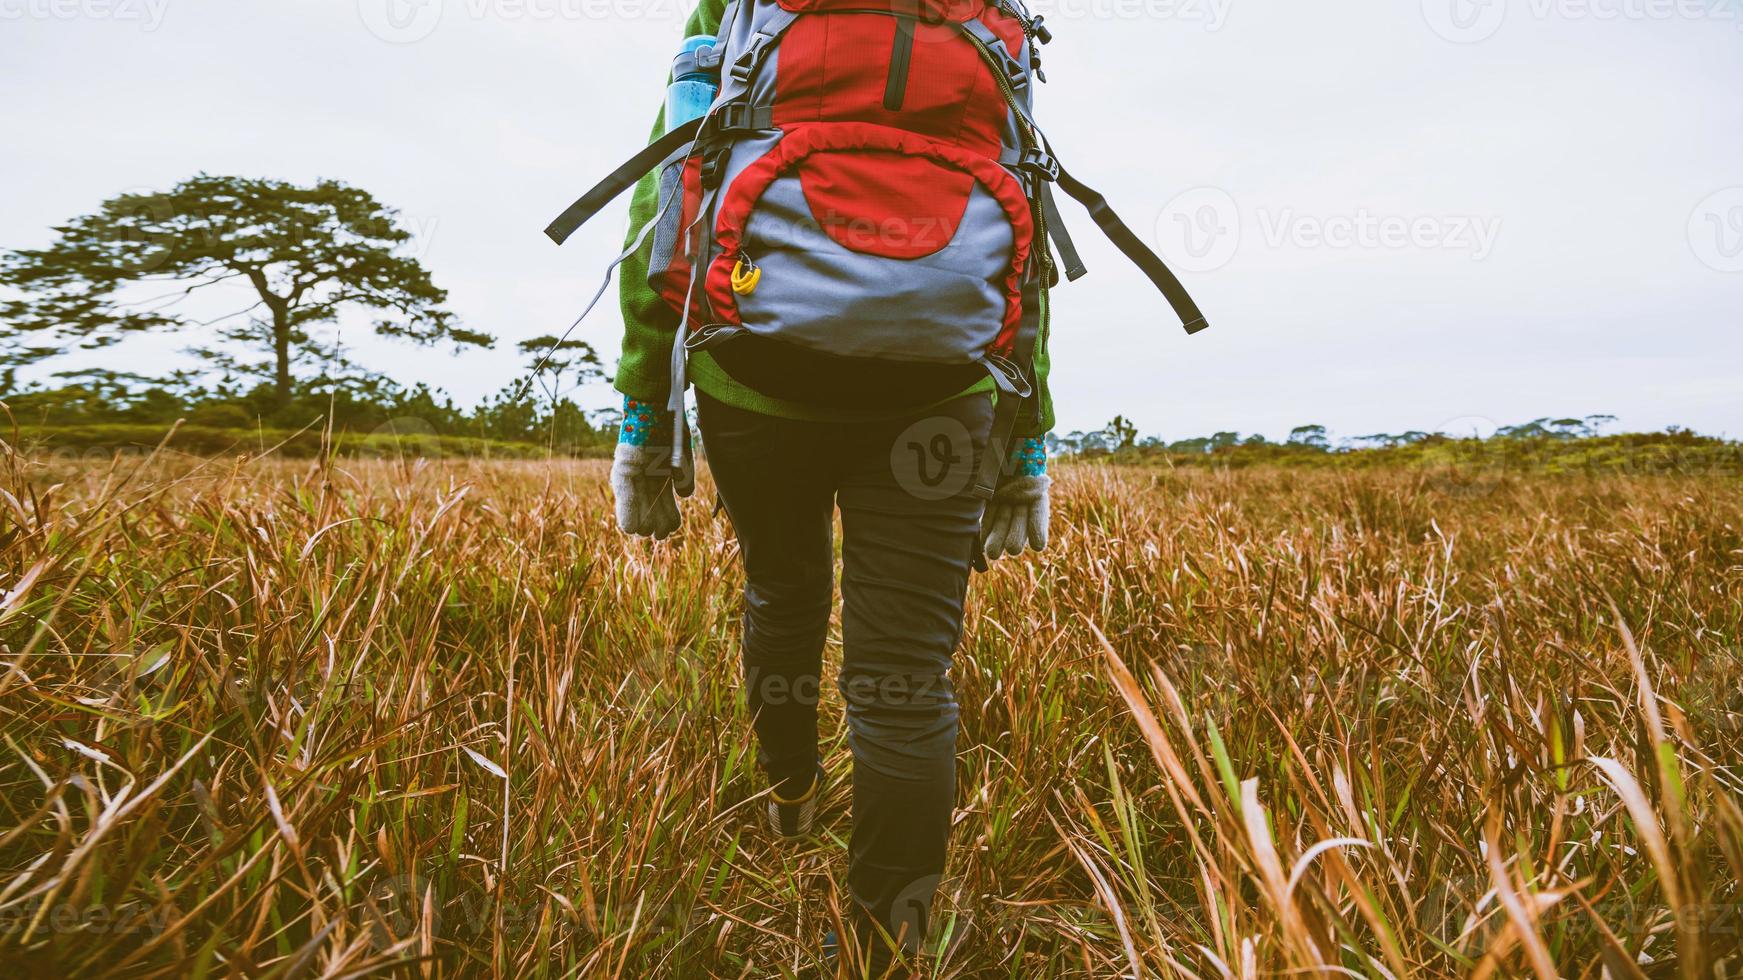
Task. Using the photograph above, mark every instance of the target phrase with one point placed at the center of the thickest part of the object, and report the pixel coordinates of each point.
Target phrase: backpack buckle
(714, 164)
(1007, 375)
(736, 117)
(731, 116)
(1039, 162)
(747, 63)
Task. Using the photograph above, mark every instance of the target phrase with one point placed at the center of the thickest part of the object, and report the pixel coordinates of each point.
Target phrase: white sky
(1397, 213)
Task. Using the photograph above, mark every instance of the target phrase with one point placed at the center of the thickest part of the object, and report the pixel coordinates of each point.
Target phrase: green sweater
(644, 373)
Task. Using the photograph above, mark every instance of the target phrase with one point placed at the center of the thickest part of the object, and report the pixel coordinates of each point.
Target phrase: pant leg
(775, 478)
(910, 525)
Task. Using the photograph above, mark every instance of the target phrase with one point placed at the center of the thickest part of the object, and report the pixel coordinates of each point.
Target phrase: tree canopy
(306, 254)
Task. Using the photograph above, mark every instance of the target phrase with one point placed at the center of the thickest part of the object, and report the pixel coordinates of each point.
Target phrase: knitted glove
(643, 479)
(1018, 516)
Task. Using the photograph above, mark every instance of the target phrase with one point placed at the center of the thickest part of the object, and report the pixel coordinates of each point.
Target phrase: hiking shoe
(794, 818)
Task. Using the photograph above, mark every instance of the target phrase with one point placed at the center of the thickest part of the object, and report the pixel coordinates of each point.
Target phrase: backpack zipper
(901, 54)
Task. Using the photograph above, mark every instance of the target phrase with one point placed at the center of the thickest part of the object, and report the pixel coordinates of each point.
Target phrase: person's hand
(643, 479)
(1018, 516)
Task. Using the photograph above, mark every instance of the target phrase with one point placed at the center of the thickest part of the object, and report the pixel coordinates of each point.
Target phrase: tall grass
(275, 718)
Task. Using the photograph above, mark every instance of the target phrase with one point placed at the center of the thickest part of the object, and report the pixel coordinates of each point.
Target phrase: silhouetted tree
(553, 358)
(306, 254)
(1311, 436)
(1121, 433)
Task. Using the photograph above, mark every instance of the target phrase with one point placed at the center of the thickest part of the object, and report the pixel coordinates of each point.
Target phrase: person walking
(843, 236)
(902, 473)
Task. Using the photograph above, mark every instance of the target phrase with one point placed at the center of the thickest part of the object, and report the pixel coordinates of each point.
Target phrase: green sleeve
(644, 372)
(1039, 420)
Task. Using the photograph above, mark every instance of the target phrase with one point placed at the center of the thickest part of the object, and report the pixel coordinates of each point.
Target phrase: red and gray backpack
(862, 218)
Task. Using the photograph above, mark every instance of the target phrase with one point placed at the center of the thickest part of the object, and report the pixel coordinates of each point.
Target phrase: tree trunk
(281, 332)
(281, 353)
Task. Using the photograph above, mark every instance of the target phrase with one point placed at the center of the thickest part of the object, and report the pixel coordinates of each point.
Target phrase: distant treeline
(1547, 444)
(367, 413)
(99, 411)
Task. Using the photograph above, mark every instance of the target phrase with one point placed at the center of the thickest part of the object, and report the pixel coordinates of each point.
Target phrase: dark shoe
(794, 818)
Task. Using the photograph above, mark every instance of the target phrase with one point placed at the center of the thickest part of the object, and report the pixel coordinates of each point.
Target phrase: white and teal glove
(645, 482)
(1018, 516)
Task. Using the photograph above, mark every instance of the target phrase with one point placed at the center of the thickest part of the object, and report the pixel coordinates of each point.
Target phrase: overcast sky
(1398, 214)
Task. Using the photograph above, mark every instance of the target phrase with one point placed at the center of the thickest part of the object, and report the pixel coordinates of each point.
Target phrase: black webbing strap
(1004, 417)
(1010, 405)
(621, 179)
(1135, 249)
(1062, 244)
(998, 449)
(1097, 206)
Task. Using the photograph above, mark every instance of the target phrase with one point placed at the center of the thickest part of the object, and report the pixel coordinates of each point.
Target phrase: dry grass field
(292, 719)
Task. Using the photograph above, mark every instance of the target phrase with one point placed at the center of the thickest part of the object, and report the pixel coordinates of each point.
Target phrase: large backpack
(862, 218)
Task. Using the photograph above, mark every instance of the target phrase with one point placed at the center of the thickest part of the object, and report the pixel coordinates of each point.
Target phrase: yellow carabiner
(744, 280)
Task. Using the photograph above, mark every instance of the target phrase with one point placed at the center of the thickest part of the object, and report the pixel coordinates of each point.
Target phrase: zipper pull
(745, 275)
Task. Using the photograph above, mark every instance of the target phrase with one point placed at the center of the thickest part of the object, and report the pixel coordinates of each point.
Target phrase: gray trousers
(910, 527)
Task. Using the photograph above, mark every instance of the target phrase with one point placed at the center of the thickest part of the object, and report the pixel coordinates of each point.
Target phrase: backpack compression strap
(1134, 248)
(621, 179)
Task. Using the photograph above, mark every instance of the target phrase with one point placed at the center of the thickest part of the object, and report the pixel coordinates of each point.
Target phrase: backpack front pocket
(873, 242)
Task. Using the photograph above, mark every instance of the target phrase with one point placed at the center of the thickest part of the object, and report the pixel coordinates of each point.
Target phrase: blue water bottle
(693, 85)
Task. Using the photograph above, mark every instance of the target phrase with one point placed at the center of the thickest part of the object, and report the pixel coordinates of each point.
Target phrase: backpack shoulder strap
(735, 82)
(620, 180)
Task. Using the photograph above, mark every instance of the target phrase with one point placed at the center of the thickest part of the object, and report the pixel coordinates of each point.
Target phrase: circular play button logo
(400, 21)
(1465, 21)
